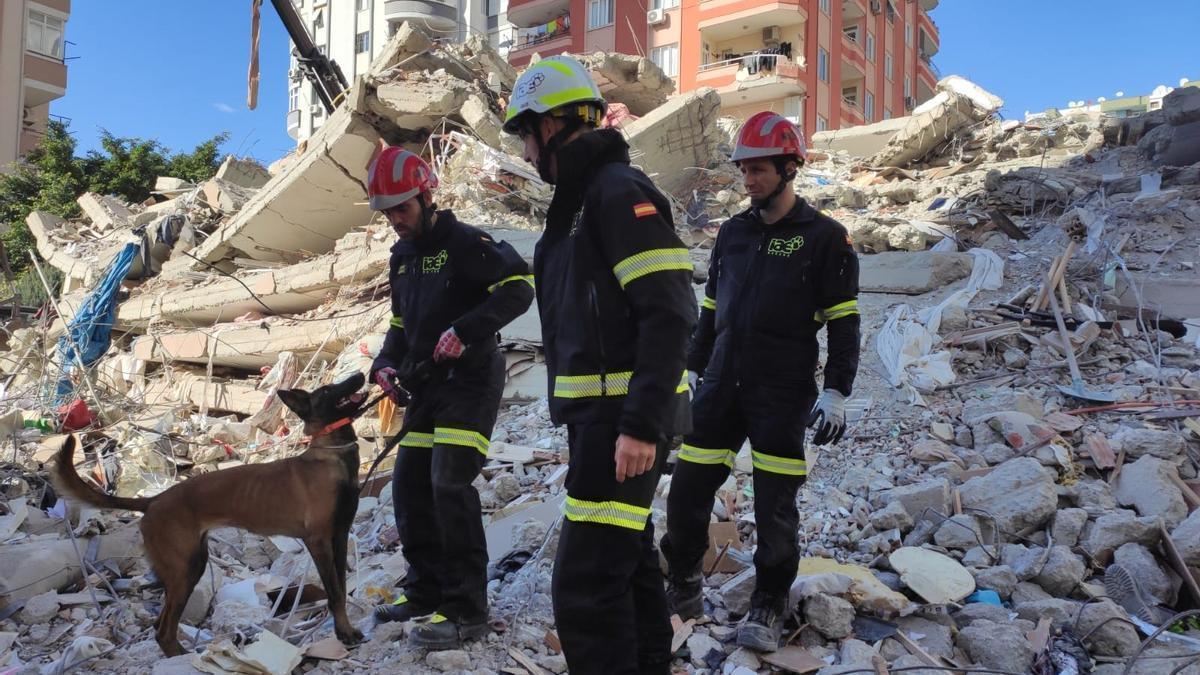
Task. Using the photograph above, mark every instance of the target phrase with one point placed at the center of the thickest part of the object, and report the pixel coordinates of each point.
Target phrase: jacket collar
(434, 237)
(577, 162)
(800, 214)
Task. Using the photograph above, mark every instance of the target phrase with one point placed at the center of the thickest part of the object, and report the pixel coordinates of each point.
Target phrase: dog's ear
(298, 400)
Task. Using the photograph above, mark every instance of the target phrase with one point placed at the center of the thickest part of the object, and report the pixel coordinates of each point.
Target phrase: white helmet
(558, 85)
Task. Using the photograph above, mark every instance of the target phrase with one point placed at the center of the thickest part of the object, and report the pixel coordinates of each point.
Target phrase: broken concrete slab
(225, 196)
(1018, 494)
(243, 172)
(23, 566)
(478, 115)
(673, 142)
(78, 272)
(418, 101)
(935, 577)
(930, 125)
(1173, 296)
(307, 207)
(106, 213)
(859, 141)
(1149, 485)
(633, 80)
(911, 273)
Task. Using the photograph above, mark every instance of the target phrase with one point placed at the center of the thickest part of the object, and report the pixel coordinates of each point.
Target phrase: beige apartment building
(33, 71)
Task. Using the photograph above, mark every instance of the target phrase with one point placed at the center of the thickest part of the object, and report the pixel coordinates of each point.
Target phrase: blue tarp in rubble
(91, 328)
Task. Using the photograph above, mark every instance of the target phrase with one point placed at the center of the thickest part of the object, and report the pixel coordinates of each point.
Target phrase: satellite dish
(1119, 94)
(1160, 90)
(1101, 99)
(1183, 81)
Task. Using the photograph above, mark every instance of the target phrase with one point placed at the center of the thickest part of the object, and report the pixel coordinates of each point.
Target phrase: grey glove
(828, 416)
(693, 383)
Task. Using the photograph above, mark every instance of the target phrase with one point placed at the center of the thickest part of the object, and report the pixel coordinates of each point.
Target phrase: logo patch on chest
(432, 264)
(785, 247)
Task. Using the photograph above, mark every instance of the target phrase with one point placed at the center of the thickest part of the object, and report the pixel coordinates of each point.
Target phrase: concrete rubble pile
(970, 518)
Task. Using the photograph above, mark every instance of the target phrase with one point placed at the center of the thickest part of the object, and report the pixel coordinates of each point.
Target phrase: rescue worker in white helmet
(453, 288)
(778, 273)
(616, 305)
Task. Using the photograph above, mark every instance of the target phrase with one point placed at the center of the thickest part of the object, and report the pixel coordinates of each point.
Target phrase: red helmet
(768, 134)
(397, 176)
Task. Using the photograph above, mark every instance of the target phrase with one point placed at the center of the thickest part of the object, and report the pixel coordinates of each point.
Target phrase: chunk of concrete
(829, 615)
(1062, 573)
(1161, 583)
(106, 213)
(634, 80)
(996, 645)
(1149, 486)
(170, 184)
(1159, 443)
(1019, 494)
(675, 141)
(202, 595)
(929, 126)
(243, 172)
(960, 532)
(1186, 537)
(420, 100)
(78, 273)
(1117, 528)
(478, 115)
(921, 498)
(911, 273)
(1109, 630)
(859, 141)
(23, 567)
(307, 207)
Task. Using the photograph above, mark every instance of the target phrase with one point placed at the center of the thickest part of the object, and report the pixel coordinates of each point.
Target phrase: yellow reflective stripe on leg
(695, 455)
(417, 439)
(648, 262)
(400, 600)
(708, 303)
(527, 278)
(848, 308)
(397, 322)
(437, 618)
(683, 384)
(783, 465)
(464, 437)
(606, 513)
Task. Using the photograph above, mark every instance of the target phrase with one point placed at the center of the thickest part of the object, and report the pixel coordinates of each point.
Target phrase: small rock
(1015, 358)
(449, 660)
(997, 453)
(555, 663)
(1139, 442)
(828, 615)
(1029, 563)
(942, 431)
(959, 532)
(1062, 572)
(200, 601)
(701, 646)
(893, 516)
(39, 609)
(987, 402)
(856, 651)
(980, 611)
(995, 645)
(936, 639)
(1162, 584)
(1060, 612)
(919, 498)
(1117, 637)
(1068, 524)
(735, 593)
(529, 535)
(1029, 592)
(1186, 538)
(999, 578)
(908, 661)
(862, 481)
(1148, 485)
(1093, 496)
(744, 658)
(507, 487)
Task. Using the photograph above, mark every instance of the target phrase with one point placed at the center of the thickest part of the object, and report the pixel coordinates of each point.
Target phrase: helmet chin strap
(427, 212)
(785, 177)
(547, 149)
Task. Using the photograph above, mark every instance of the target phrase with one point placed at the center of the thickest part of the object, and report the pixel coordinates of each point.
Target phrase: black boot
(685, 597)
(402, 609)
(442, 633)
(763, 625)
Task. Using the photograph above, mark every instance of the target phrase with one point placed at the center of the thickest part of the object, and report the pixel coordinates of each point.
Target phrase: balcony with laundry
(547, 39)
(755, 67)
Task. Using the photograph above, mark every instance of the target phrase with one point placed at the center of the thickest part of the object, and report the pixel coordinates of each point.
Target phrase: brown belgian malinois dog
(312, 497)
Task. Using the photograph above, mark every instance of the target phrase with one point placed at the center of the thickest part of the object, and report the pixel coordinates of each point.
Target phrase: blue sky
(175, 71)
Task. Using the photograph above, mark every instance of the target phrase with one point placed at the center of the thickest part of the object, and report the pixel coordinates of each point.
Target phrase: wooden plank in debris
(986, 333)
(721, 536)
(1189, 495)
(1039, 637)
(916, 650)
(1112, 477)
(1178, 564)
(794, 660)
(683, 631)
(1100, 451)
(526, 662)
(879, 665)
(552, 641)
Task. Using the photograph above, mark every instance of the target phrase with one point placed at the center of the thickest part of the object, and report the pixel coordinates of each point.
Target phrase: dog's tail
(69, 482)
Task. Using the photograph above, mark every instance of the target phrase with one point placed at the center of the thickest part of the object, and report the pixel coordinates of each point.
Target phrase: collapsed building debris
(973, 517)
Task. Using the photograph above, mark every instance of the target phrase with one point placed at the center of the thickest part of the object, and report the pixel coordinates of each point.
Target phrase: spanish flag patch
(644, 209)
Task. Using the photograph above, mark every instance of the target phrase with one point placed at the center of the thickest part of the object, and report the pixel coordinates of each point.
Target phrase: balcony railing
(756, 62)
(928, 61)
(529, 37)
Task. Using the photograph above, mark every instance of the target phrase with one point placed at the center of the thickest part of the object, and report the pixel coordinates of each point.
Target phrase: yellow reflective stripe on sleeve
(437, 618)
(464, 437)
(606, 513)
(585, 386)
(417, 439)
(848, 308)
(649, 262)
(683, 384)
(784, 465)
(397, 322)
(695, 455)
(400, 600)
(527, 278)
(708, 303)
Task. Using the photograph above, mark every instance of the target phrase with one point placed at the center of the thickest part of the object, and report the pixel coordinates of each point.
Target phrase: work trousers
(448, 427)
(724, 415)
(610, 605)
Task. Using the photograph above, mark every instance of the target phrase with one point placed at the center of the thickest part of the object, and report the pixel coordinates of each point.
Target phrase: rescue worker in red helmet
(778, 272)
(616, 304)
(453, 287)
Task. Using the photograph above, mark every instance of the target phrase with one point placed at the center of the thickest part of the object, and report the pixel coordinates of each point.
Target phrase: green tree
(201, 163)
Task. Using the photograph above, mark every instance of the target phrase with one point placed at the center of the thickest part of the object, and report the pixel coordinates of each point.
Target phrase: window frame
(362, 43)
(47, 22)
(887, 65)
(868, 106)
(611, 5)
(673, 51)
(822, 123)
(869, 47)
(823, 65)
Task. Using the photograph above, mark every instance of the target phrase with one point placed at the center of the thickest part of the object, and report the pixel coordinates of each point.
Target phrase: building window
(907, 86)
(824, 4)
(891, 12)
(822, 125)
(822, 65)
(869, 107)
(870, 50)
(908, 34)
(293, 98)
(44, 34)
(850, 95)
(362, 5)
(851, 32)
(493, 8)
(667, 58)
(887, 65)
(600, 13)
(664, 4)
(887, 113)
(362, 43)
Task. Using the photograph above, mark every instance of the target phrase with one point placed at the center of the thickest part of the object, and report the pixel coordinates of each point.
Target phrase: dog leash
(421, 369)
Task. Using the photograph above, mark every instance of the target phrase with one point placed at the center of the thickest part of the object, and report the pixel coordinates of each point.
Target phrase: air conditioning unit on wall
(655, 17)
(876, 7)
(771, 34)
